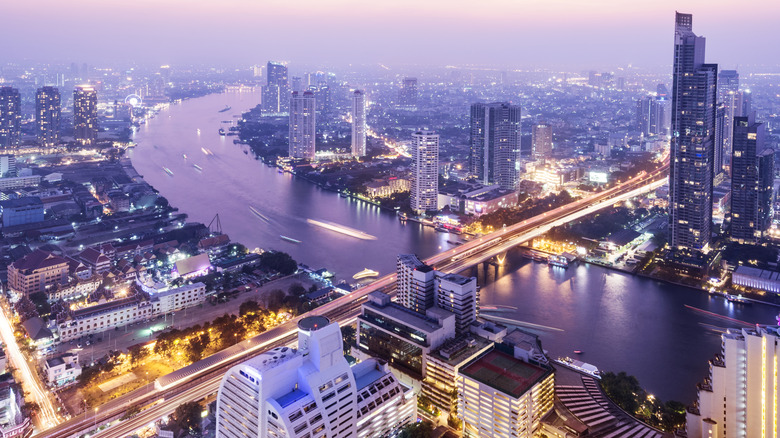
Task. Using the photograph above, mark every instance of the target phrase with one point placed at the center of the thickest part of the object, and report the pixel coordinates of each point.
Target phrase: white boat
(197, 167)
(207, 151)
(289, 239)
(580, 366)
(184, 156)
(198, 131)
(365, 273)
(168, 171)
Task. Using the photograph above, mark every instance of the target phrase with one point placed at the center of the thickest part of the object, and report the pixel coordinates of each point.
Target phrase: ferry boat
(168, 171)
(580, 366)
(222, 131)
(737, 299)
(225, 109)
(289, 239)
(365, 273)
(197, 167)
(559, 261)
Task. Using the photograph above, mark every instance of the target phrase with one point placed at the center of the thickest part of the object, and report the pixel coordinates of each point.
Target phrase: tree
(137, 353)
(279, 261)
(423, 429)
(249, 307)
(275, 300)
(624, 390)
(187, 417)
(348, 336)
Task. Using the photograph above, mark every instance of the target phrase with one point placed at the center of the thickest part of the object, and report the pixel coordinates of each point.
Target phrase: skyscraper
(728, 89)
(312, 391)
(85, 121)
(694, 92)
(752, 175)
(720, 160)
(650, 116)
(407, 96)
(277, 89)
(302, 125)
(358, 124)
(47, 115)
(10, 117)
(415, 284)
(425, 171)
(541, 141)
(495, 143)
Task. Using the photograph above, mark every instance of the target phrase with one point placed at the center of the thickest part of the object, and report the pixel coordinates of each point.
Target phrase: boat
(559, 261)
(225, 109)
(197, 167)
(441, 229)
(365, 273)
(207, 151)
(198, 131)
(222, 131)
(184, 156)
(168, 171)
(737, 299)
(258, 214)
(580, 366)
(289, 239)
(577, 351)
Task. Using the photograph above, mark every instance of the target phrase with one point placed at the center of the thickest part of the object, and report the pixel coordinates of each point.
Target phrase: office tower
(85, 120)
(752, 175)
(425, 171)
(7, 165)
(495, 143)
(277, 90)
(10, 117)
(693, 137)
(324, 100)
(740, 396)
(719, 151)
(743, 105)
(302, 125)
(415, 283)
(728, 88)
(457, 294)
(358, 124)
(47, 115)
(541, 141)
(662, 91)
(407, 96)
(650, 116)
(297, 83)
(165, 73)
(312, 391)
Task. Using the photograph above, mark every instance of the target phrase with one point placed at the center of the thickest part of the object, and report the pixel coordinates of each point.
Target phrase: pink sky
(516, 33)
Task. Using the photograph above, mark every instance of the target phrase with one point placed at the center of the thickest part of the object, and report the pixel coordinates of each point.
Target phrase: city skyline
(572, 40)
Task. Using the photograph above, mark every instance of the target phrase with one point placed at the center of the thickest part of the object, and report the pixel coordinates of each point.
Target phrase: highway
(346, 309)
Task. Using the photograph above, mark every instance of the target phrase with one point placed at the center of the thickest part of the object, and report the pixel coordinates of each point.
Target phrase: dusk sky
(513, 33)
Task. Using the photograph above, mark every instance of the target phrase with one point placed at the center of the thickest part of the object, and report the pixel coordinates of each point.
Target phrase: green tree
(187, 417)
(278, 261)
(348, 334)
(624, 390)
(422, 429)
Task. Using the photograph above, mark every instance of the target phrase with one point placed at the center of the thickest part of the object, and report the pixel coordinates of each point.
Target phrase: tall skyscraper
(650, 116)
(407, 96)
(302, 125)
(10, 117)
(541, 141)
(495, 143)
(719, 151)
(312, 391)
(47, 115)
(85, 120)
(728, 89)
(358, 124)
(415, 283)
(277, 89)
(425, 171)
(744, 103)
(457, 294)
(752, 177)
(740, 397)
(694, 92)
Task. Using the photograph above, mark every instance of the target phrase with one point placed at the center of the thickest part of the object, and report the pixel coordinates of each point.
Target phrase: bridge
(159, 401)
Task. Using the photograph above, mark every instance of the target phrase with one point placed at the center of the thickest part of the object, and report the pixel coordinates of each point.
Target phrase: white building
(312, 392)
(757, 279)
(415, 283)
(303, 108)
(458, 295)
(425, 171)
(102, 317)
(62, 370)
(173, 300)
(740, 397)
(358, 124)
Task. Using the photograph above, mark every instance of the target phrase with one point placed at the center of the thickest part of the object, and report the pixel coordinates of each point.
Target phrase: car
(88, 342)
(78, 345)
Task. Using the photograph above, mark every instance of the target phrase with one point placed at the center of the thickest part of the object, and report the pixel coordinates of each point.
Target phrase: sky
(580, 34)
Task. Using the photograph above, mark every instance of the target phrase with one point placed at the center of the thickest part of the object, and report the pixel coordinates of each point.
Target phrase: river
(620, 322)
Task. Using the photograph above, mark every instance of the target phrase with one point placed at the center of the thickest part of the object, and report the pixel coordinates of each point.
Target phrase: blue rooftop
(290, 398)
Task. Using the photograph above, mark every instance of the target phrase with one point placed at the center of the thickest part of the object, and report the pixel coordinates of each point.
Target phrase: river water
(620, 322)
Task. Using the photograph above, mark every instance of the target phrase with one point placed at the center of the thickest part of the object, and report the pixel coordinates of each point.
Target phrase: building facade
(107, 316)
(407, 96)
(312, 392)
(85, 115)
(302, 125)
(752, 181)
(740, 396)
(541, 141)
(22, 211)
(277, 90)
(47, 115)
(414, 283)
(425, 171)
(693, 136)
(38, 271)
(10, 117)
(495, 144)
(458, 295)
(358, 124)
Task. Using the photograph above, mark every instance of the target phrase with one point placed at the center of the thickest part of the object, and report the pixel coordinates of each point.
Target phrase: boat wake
(259, 215)
(341, 229)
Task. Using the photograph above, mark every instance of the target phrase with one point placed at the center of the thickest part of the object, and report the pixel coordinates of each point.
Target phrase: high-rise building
(458, 295)
(740, 396)
(728, 89)
(7, 165)
(541, 141)
(693, 139)
(744, 103)
(650, 116)
(10, 117)
(302, 125)
(425, 171)
(47, 115)
(277, 90)
(415, 286)
(407, 96)
(297, 83)
(85, 115)
(719, 160)
(495, 144)
(358, 124)
(312, 391)
(752, 181)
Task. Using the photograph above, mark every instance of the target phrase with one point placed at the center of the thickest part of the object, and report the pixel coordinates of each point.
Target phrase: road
(346, 309)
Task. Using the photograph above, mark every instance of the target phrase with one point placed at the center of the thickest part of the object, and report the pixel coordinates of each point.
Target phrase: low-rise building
(96, 260)
(106, 316)
(13, 422)
(18, 182)
(194, 266)
(173, 300)
(40, 336)
(757, 279)
(479, 201)
(21, 211)
(38, 271)
(74, 289)
(62, 370)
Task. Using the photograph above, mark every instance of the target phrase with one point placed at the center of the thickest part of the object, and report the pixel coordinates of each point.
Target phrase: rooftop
(21, 202)
(504, 373)
(406, 316)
